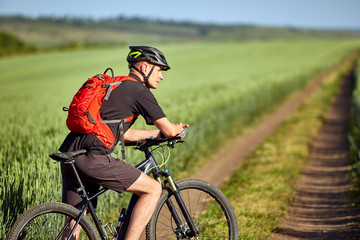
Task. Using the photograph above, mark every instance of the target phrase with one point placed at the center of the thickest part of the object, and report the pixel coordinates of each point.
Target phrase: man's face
(155, 77)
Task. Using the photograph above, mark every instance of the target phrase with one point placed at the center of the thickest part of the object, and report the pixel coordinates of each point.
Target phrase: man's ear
(144, 68)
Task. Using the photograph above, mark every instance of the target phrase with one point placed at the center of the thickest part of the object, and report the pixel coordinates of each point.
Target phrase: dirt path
(321, 208)
(222, 166)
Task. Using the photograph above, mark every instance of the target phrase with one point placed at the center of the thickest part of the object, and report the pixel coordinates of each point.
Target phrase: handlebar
(150, 141)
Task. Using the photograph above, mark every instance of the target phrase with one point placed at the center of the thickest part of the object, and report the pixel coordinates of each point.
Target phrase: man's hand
(182, 126)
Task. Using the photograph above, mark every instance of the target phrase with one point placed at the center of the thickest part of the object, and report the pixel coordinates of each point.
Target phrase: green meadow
(219, 89)
(354, 135)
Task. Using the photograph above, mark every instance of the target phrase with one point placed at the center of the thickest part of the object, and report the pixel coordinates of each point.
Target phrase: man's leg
(76, 234)
(149, 191)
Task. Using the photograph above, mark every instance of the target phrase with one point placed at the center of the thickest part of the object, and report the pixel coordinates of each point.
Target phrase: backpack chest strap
(128, 119)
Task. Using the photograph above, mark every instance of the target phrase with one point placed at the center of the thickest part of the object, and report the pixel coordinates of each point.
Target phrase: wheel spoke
(50, 221)
(209, 209)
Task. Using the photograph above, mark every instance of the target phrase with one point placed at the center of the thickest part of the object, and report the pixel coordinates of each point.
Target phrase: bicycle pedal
(111, 230)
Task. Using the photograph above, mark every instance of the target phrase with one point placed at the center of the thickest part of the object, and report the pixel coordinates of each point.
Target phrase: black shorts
(96, 171)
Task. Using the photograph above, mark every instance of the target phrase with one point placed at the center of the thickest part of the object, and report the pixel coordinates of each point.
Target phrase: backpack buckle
(100, 77)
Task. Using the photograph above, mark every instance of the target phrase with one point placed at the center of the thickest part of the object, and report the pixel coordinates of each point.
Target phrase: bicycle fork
(182, 230)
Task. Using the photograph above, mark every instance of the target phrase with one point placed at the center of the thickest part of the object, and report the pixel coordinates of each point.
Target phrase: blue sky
(335, 14)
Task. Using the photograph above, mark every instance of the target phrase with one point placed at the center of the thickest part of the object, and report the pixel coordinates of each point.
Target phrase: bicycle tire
(45, 221)
(218, 221)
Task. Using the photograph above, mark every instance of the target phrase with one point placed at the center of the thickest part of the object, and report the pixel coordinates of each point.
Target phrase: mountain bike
(187, 209)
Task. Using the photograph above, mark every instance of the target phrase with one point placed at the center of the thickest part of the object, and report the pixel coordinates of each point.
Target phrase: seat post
(81, 190)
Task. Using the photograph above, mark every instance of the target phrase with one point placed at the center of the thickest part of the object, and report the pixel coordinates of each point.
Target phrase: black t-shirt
(126, 100)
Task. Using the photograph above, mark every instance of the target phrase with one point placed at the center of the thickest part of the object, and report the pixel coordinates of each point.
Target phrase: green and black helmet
(150, 54)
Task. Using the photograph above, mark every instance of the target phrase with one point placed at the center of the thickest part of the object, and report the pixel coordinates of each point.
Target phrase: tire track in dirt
(321, 208)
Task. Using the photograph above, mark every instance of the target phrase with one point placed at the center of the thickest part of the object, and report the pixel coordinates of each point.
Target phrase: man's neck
(136, 77)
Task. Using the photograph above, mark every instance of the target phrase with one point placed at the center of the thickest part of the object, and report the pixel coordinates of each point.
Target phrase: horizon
(173, 21)
(306, 14)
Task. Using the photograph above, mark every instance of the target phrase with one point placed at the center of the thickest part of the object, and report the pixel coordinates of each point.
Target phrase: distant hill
(50, 32)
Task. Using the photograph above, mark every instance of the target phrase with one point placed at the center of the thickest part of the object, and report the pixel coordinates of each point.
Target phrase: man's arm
(133, 135)
(168, 128)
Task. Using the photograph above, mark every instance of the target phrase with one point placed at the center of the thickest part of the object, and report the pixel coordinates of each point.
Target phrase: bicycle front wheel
(49, 221)
(209, 209)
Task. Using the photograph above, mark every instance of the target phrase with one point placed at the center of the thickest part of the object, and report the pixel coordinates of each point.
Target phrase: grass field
(354, 136)
(217, 88)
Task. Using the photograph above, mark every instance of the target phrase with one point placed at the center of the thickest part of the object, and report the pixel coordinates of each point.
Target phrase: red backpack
(84, 111)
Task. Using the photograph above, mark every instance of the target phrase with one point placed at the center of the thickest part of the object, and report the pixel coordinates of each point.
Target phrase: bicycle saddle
(66, 156)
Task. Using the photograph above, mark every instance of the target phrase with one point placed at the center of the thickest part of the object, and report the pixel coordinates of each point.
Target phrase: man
(97, 166)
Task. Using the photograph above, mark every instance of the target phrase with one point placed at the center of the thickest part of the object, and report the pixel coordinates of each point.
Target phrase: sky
(329, 14)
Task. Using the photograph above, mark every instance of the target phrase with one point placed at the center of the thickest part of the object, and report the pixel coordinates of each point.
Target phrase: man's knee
(154, 188)
(158, 188)
(146, 185)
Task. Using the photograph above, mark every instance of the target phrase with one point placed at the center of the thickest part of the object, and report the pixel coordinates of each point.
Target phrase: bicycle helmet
(150, 54)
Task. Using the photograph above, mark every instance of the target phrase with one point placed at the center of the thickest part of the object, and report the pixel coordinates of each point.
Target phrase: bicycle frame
(148, 166)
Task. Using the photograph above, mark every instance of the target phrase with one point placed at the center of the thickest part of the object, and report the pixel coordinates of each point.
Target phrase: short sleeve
(147, 105)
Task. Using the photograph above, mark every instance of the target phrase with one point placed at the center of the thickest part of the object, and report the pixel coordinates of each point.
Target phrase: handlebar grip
(183, 133)
(155, 141)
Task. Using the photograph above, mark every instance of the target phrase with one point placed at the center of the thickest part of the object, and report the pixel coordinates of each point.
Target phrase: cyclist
(97, 167)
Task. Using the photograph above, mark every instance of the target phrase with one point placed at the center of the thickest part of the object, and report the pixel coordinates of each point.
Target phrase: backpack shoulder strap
(114, 82)
(125, 78)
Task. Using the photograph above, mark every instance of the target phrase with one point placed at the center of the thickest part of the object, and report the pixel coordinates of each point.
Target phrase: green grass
(214, 87)
(262, 189)
(354, 135)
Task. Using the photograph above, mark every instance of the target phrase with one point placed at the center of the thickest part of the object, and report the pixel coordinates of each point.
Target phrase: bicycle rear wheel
(48, 221)
(208, 207)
